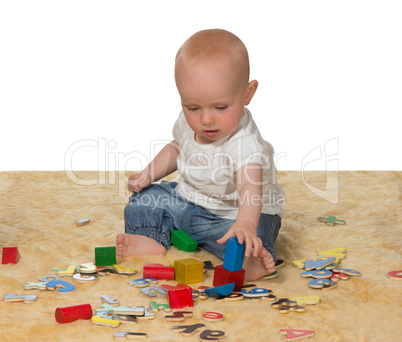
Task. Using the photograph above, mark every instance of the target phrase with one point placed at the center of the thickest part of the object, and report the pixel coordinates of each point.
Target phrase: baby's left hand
(245, 232)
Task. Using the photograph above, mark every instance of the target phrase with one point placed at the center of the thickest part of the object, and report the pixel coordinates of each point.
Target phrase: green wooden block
(105, 256)
(331, 220)
(181, 240)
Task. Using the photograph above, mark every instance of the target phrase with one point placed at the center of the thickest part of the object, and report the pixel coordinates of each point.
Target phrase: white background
(89, 84)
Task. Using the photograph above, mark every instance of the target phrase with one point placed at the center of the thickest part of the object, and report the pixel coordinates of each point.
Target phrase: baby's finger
(241, 238)
(257, 246)
(224, 238)
(249, 246)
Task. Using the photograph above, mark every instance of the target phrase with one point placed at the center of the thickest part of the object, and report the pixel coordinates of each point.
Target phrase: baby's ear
(250, 91)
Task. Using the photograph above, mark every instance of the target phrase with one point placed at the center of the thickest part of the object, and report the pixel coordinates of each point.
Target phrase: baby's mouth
(211, 133)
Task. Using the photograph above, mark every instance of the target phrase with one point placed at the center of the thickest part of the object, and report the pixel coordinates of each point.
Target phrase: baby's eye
(192, 108)
(221, 107)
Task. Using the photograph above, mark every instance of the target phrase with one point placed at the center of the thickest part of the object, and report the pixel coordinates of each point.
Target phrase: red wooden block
(69, 314)
(222, 276)
(179, 296)
(10, 255)
(158, 271)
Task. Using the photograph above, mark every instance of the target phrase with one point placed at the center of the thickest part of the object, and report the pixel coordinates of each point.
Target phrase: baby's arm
(249, 187)
(162, 165)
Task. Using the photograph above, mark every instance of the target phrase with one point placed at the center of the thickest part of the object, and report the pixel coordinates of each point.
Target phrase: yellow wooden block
(124, 270)
(337, 252)
(298, 263)
(69, 271)
(306, 300)
(188, 271)
(97, 319)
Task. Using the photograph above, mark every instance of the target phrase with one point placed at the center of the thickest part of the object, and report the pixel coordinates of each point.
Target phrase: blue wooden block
(234, 255)
(222, 290)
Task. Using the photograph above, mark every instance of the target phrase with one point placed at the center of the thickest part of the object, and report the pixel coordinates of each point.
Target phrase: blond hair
(209, 45)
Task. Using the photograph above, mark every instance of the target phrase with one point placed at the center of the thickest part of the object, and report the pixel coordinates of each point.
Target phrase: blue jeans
(158, 210)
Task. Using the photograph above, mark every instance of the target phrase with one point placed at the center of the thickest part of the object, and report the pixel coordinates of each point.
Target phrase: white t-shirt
(208, 171)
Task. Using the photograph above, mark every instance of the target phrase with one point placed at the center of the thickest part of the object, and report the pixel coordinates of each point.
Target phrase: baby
(227, 183)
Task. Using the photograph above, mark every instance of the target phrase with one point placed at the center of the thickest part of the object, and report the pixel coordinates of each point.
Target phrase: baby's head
(212, 77)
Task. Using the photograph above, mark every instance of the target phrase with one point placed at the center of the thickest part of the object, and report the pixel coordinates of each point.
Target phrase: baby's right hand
(138, 181)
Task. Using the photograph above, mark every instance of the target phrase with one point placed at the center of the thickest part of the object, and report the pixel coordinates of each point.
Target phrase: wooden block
(299, 263)
(211, 316)
(67, 272)
(395, 275)
(147, 315)
(85, 277)
(138, 311)
(222, 290)
(110, 308)
(244, 286)
(125, 335)
(257, 292)
(333, 264)
(178, 316)
(322, 284)
(156, 306)
(124, 270)
(318, 264)
(105, 256)
(233, 297)
(11, 255)
(72, 313)
(198, 294)
(106, 271)
(107, 299)
(318, 274)
(12, 297)
(149, 291)
(63, 286)
(234, 255)
(110, 322)
(283, 302)
(272, 275)
(125, 318)
(222, 276)
(143, 282)
(158, 271)
(337, 276)
(331, 220)
(189, 271)
(182, 241)
(88, 268)
(180, 296)
(35, 286)
(82, 222)
(211, 335)
(201, 292)
(347, 271)
(336, 252)
(287, 308)
(45, 279)
(294, 334)
(188, 330)
(306, 300)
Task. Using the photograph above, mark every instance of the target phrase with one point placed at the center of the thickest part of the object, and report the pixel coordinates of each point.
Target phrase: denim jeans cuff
(270, 250)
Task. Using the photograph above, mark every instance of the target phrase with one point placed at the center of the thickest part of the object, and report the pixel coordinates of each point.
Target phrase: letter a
(293, 334)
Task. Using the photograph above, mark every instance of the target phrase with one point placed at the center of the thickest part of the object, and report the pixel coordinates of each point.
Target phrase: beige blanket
(38, 211)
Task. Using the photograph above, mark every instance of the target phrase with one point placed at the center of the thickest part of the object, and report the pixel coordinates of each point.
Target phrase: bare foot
(130, 245)
(257, 267)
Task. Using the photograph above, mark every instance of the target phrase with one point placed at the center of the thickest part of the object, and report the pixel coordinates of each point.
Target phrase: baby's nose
(207, 117)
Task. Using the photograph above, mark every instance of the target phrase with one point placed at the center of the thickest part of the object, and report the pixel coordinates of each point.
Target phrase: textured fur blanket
(38, 214)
